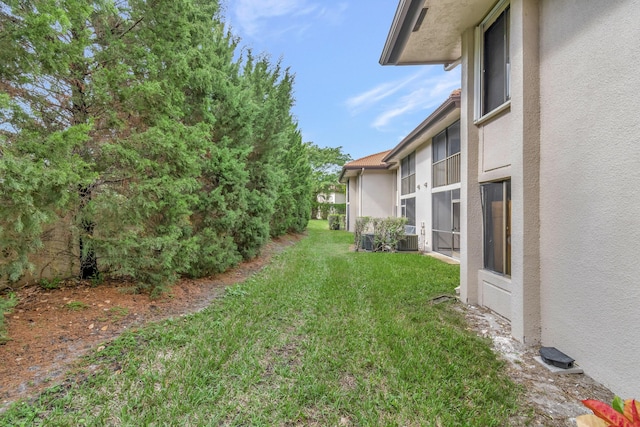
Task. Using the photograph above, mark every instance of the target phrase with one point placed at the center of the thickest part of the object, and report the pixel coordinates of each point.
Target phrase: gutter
(403, 23)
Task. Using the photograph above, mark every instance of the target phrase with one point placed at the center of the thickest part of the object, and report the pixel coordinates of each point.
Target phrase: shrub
(337, 222)
(6, 305)
(387, 232)
(362, 225)
(342, 218)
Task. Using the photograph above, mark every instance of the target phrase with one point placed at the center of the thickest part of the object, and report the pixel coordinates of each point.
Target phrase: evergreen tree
(293, 207)
(135, 120)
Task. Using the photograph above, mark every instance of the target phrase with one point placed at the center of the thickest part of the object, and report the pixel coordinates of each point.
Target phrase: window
(496, 218)
(492, 61)
(408, 174)
(446, 156)
(408, 210)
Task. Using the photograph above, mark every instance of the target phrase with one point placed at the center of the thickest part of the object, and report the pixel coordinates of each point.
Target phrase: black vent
(553, 356)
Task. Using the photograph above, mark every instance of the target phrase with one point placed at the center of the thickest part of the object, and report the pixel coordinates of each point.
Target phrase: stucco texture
(589, 179)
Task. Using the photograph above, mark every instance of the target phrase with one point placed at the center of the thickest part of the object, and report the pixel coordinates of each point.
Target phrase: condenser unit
(408, 243)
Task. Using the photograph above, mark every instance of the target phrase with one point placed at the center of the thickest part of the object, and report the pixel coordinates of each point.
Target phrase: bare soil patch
(51, 329)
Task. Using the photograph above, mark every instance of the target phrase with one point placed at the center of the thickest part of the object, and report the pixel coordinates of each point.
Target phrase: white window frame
(411, 161)
(479, 117)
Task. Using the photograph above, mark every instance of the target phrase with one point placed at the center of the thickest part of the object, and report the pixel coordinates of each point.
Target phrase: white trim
(450, 187)
(478, 65)
(493, 113)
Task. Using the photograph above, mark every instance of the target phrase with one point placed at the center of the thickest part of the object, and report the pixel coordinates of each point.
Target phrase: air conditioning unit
(366, 242)
(408, 243)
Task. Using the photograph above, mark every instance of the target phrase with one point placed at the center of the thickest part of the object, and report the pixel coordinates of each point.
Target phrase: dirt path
(51, 329)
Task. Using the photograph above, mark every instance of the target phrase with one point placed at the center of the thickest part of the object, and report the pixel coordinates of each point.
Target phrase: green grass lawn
(321, 337)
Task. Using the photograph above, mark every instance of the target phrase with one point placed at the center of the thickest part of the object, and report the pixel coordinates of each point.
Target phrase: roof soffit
(437, 41)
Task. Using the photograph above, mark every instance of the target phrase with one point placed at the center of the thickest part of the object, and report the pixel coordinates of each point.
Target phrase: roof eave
(346, 169)
(401, 27)
(425, 33)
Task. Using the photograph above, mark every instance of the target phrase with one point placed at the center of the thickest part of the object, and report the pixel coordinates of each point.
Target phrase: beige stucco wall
(495, 139)
(470, 208)
(371, 193)
(505, 147)
(589, 179)
(353, 205)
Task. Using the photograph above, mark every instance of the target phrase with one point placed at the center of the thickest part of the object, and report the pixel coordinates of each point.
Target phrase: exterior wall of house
(377, 192)
(499, 148)
(339, 198)
(353, 203)
(424, 156)
(424, 181)
(371, 193)
(589, 176)
(471, 208)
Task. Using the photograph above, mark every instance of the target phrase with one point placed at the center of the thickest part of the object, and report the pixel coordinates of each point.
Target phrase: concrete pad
(558, 371)
(442, 258)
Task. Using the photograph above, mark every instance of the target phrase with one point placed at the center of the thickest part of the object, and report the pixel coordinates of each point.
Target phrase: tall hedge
(172, 154)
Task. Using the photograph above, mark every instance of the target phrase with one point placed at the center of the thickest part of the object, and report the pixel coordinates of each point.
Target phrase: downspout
(360, 192)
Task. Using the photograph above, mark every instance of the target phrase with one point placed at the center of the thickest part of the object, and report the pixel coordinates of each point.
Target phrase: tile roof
(370, 161)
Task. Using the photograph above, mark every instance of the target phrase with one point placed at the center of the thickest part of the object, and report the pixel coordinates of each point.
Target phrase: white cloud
(254, 17)
(380, 92)
(423, 95)
(405, 104)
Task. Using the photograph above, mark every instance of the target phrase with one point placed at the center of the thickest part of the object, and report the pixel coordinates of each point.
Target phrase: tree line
(164, 148)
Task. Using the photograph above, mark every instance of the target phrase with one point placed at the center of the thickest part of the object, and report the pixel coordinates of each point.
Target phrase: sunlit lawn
(322, 337)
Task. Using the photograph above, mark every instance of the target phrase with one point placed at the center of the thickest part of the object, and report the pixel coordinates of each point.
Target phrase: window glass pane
(408, 173)
(439, 146)
(495, 63)
(494, 225)
(412, 163)
(453, 136)
(496, 210)
(455, 215)
(409, 210)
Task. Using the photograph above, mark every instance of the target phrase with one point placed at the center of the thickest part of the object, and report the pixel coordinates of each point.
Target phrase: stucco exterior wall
(377, 194)
(470, 208)
(353, 204)
(423, 195)
(505, 146)
(589, 179)
(496, 138)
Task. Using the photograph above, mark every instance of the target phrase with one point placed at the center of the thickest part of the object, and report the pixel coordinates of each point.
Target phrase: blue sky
(344, 97)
